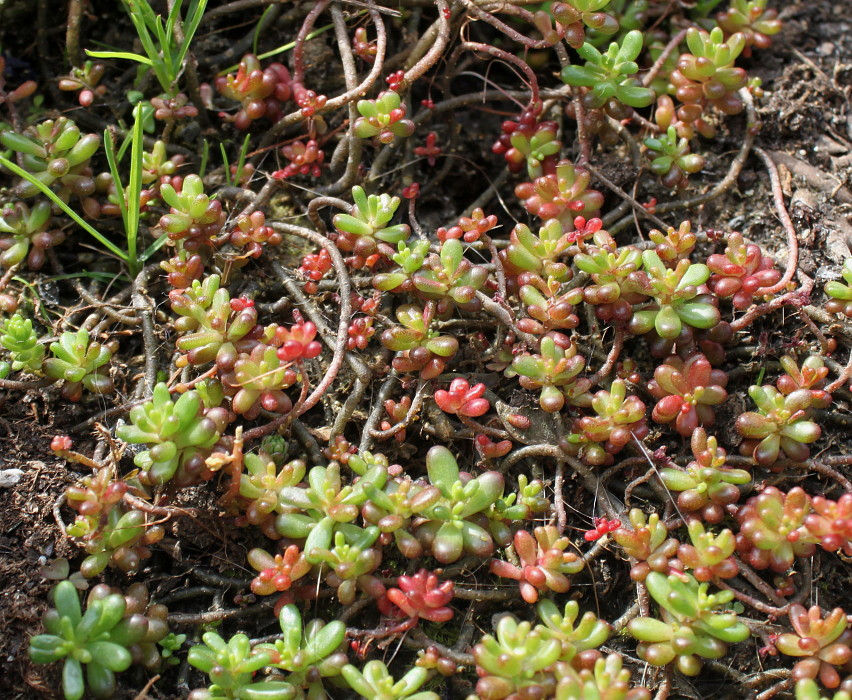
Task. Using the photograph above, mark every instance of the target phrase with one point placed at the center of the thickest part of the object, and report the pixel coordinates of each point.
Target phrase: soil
(806, 116)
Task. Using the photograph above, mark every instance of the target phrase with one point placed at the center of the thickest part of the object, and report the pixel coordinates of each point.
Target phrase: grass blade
(52, 196)
(120, 54)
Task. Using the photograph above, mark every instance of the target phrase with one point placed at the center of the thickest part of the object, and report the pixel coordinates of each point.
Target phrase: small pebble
(10, 477)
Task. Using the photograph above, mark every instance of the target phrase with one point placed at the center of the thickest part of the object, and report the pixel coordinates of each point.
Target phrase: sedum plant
(56, 154)
(648, 541)
(706, 485)
(97, 639)
(695, 625)
(383, 119)
(772, 530)
(554, 370)
(422, 595)
(365, 230)
(543, 564)
(79, 364)
(752, 19)
(307, 654)
(686, 390)
(374, 682)
(608, 680)
(610, 76)
(455, 523)
(562, 194)
(741, 272)
(781, 423)
(21, 341)
(821, 642)
(194, 217)
(671, 158)
(178, 434)
(230, 666)
(421, 348)
(514, 663)
(840, 293)
(27, 236)
(677, 297)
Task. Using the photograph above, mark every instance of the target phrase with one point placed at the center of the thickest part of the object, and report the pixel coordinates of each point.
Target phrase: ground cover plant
(425, 349)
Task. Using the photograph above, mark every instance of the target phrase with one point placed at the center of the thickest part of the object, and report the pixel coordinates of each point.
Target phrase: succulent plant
(230, 666)
(706, 485)
(257, 382)
(277, 574)
(539, 254)
(772, 532)
(422, 595)
(307, 654)
(686, 390)
(450, 277)
(260, 484)
(620, 418)
(751, 19)
(780, 423)
(260, 91)
(179, 436)
(575, 638)
(811, 376)
(543, 565)
(678, 300)
(79, 363)
(462, 399)
(547, 306)
(741, 272)
(608, 680)
(351, 565)
(610, 269)
(21, 341)
(554, 370)
(609, 75)
(110, 533)
(695, 624)
(536, 148)
(708, 555)
(453, 524)
(708, 74)
(514, 663)
(840, 293)
(647, 540)
(421, 348)
(572, 18)
(55, 153)
(194, 218)
(365, 231)
(821, 642)
(97, 639)
(675, 244)
(562, 194)
(383, 118)
(28, 235)
(831, 522)
(807, 689)
(671, 158)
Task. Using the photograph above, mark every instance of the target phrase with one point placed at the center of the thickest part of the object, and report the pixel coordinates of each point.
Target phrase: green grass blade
(112, 161)
(134, 194)
(242, 160)
(226, 164)
(205, 156)
(193, 16)
(127, 55)
(51, 195)
(153, 248)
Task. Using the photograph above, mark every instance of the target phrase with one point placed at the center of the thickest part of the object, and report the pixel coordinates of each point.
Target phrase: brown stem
(792, 239)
